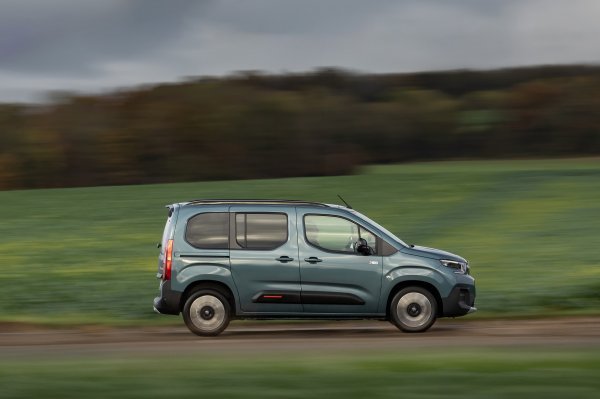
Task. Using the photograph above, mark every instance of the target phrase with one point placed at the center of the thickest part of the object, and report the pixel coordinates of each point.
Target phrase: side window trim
(235, 229)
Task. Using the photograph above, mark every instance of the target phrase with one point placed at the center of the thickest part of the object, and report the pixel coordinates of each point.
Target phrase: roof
(252, 202)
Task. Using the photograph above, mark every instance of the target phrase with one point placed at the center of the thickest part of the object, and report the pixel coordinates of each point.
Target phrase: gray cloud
(74, 37)
(290, 17)
(97, 45)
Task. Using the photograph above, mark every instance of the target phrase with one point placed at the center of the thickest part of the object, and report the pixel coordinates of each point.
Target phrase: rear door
(335, 278)
(264, 258)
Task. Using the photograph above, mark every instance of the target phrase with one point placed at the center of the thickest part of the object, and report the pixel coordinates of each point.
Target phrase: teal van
(266, 259)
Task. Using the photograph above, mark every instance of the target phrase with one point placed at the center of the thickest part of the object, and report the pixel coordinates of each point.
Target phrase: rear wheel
(413, 309)
(206, 312)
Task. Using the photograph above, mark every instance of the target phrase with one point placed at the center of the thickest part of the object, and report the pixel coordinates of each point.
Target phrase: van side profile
(263, 259)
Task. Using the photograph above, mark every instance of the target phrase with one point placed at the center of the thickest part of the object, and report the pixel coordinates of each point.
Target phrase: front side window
(208, 230)
(264, 231)
(331, 233)
(370, 237)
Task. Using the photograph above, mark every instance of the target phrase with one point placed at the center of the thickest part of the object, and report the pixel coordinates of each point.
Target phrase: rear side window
(208, 230)
(264, 231)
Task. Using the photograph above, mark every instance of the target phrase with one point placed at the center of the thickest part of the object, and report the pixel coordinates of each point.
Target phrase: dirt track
(252, 337)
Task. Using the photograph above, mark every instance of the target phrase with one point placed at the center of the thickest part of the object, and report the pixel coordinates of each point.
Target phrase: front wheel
(413, 309)
(206, 313)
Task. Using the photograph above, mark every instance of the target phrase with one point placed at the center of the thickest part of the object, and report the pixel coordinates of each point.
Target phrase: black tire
(413, 309)
(207, 312)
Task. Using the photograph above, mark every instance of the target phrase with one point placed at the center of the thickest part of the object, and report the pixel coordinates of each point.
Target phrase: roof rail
(254, 201)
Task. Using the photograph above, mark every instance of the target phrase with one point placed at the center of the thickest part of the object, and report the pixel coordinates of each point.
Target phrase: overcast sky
(96, 45)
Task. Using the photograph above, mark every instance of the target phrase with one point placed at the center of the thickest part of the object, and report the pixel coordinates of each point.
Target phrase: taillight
(168, 260)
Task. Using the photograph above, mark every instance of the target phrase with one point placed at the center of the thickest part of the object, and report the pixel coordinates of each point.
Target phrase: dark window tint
(261, 230)
(208, 230)
(387, 249)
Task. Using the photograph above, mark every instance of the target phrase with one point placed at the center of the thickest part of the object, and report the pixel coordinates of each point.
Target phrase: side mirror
(363, 248)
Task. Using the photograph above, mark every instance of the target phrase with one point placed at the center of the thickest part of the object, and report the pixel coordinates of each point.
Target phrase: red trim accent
(273, 296)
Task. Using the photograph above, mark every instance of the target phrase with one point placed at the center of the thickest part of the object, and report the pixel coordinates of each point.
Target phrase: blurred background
(467, 125)
(130, 92)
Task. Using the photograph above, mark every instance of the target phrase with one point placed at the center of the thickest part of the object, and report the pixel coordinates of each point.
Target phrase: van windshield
(380, 227)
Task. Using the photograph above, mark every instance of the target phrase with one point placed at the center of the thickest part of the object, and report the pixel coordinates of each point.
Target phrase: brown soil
(251, 337)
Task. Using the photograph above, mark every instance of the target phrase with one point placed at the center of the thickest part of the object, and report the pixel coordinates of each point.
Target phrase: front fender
(407, 273)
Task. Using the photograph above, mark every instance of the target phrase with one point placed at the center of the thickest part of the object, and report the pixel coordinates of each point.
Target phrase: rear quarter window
(208, 230)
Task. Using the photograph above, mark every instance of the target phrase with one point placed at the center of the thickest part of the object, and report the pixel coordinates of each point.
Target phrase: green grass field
(530, 229)
(449, 373)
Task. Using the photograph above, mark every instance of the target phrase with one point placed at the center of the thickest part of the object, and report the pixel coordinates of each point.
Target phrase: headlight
(459, 267)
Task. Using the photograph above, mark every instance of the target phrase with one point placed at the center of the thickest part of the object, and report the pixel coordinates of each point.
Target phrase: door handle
(284, 259)
(313, 259)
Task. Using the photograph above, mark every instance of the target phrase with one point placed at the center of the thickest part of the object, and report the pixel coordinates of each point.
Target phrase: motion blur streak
(323, 123)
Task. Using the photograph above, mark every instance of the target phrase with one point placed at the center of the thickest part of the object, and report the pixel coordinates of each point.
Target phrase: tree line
(326, 122)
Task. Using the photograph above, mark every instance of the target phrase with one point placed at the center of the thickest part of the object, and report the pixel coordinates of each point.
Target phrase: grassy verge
(529, 229)
(475, 373)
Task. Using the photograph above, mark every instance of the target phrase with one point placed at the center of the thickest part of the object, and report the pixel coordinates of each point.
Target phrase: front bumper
(460, 302)
(169, 301)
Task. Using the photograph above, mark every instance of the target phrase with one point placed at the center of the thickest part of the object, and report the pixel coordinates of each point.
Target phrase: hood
(432, 253)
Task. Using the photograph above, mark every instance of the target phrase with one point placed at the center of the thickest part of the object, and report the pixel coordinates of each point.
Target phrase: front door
(264, 259)
(335, 278)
